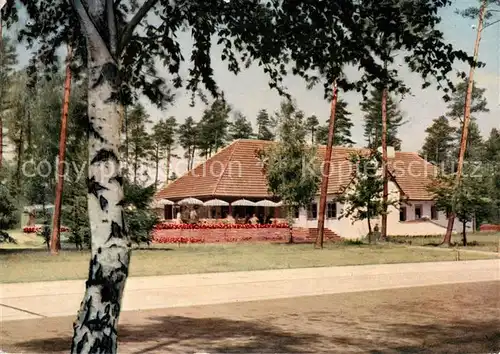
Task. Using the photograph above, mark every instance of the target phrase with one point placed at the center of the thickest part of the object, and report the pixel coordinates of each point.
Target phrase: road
(62, 298)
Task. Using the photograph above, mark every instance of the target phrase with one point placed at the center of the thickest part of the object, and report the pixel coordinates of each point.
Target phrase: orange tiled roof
(236, 172)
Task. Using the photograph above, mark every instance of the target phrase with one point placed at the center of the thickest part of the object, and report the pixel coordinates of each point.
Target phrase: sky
(249, 91)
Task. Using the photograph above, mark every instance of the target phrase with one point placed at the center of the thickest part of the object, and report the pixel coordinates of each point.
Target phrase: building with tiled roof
(235, 172)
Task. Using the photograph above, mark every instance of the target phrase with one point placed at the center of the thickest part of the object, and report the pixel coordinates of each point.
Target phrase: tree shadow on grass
(176, 334)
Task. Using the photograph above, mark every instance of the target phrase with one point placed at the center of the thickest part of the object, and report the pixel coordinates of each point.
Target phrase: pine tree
(439, 142)
(373, 121)
(343, 125)
(312, 124)
(492, 147)
(241, 128)
(8, 59)
(188, 136)
(163, 140)
(265, 126)
(139, 143)
(213, 128)
(475, 144)
(479, 103)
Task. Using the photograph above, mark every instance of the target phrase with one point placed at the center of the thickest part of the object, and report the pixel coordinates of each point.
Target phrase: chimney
(391, 152)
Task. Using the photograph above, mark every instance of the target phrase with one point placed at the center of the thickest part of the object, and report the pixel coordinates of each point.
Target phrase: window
(402, 214)
(331, 210)
(312, 212)
(296, 212)
(418, 212)
(434, 213)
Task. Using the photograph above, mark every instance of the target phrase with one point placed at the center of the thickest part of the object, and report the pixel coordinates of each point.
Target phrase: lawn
(481, 241)
(37, 265)
(456, 318)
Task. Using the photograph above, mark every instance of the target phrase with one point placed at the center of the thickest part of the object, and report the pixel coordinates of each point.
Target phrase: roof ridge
(225, 167)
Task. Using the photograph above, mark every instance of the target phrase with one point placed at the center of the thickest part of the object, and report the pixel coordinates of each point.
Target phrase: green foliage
(265, 126)
(343, 125)
(475, 147)
(188, 133)
(163, 142)
(139, 142)
(241, 128)
(272, 33)
(468, 199)
(372, 108)
(439, 142)
(8, 211)
(140, 220)
(479, 104)
(312, 124)
(291, 166)
(363, 197)
(213, 128)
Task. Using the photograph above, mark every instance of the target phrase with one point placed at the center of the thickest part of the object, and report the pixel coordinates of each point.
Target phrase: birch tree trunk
(95, 330)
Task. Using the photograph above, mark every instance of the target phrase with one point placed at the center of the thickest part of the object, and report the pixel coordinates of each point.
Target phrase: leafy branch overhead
(311, 39)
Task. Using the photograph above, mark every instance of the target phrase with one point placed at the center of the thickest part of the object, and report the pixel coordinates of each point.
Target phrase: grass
(37, 265)
(481, 241)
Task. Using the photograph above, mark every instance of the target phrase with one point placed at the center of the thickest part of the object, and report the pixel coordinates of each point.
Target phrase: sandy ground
(460, 318)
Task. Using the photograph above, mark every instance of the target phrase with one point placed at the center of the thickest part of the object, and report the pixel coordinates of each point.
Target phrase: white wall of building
(348, 229)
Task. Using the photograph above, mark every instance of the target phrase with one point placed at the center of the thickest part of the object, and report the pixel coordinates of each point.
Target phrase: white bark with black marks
(95, 330)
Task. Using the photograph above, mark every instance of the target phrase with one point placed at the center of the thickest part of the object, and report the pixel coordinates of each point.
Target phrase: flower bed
(38, 228)
(167, 226)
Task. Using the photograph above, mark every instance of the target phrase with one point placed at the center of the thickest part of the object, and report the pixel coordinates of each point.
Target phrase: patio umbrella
(278, 204)
(190, 201)
(243, 202)
(216, 203)
(266, 203)
(158, 203)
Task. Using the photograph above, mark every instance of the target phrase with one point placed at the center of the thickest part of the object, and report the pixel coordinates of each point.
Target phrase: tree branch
(92, 33)
(129, 29)
(113, 34)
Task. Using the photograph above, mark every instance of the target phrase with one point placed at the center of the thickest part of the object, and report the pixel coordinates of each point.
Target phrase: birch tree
(120, 42)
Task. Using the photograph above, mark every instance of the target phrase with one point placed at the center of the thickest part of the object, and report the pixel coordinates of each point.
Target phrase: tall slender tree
(482, 13)
(188, 135)
(265, 126)
(312, 124)
(373, 121)
(8, 59)
(343, 126)
(164, 140)
(213, 128)
(55, 243)
(240, 128)
(438, 144)
(139, 140)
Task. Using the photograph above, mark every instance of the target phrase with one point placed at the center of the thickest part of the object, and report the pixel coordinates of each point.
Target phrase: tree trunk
(192, 157)
(1, 93)
(95, 330)
(136, 167)
(370, 232)
(20, 146)
(169, 157)
(384, 165)
(466, 120)
(56, 221)
(326, 171)
(464, 232)
(157, 165)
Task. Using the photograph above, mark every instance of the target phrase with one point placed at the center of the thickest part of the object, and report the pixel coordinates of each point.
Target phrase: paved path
(62, 298)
